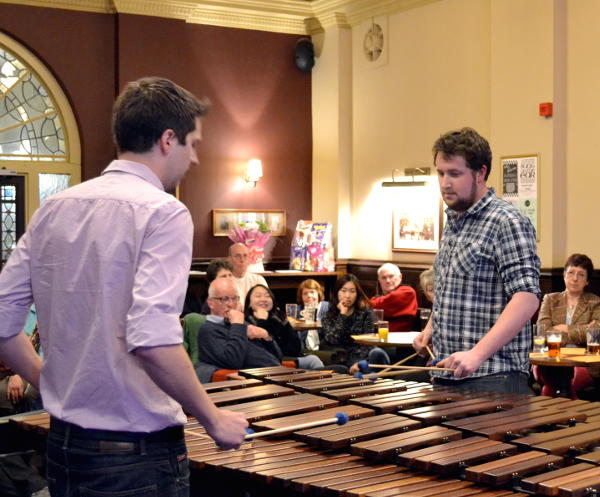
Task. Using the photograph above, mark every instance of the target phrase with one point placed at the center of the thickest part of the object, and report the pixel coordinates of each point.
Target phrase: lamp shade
(254, 170)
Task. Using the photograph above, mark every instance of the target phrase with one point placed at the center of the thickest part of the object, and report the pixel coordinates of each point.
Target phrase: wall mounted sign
(520, 185)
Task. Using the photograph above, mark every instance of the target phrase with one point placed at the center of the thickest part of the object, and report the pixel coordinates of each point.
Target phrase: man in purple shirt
(106, 263)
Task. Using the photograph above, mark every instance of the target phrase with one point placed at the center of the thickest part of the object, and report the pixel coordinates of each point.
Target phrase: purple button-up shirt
(107, 265)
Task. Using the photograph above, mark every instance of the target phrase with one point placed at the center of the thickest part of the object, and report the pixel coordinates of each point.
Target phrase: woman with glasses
(260, 309)
(572, 312)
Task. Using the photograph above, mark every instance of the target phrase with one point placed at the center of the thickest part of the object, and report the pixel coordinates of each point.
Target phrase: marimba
(402, 439)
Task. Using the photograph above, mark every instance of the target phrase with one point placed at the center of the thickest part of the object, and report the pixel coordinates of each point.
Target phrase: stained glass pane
(53, 183)
(30, 127)
(8, 205)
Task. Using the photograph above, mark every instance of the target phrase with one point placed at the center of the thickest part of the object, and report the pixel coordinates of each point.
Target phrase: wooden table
(301, 325)
(569, 357)
(395, 339)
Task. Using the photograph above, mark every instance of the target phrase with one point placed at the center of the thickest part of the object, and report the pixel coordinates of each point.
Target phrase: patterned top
(554, 311)
(487, 254)
(339, 328)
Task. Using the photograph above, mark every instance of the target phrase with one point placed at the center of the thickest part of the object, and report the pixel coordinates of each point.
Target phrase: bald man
(239, 256)
(226, 341)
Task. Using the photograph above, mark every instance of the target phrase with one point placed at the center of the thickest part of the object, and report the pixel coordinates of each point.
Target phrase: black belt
(170, 434)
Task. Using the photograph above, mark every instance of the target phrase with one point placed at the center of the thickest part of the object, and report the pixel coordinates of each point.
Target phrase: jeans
(378, 356)
(101, 463)
(509, 382)
(309, 362)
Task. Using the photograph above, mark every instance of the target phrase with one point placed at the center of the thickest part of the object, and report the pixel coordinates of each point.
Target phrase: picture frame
(417, 219)
(521, 185)
(225, 219)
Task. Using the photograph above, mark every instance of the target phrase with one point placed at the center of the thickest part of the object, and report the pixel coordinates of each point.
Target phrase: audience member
(239, 255)
(16, 395)
(225, 341)
(399, 302)
(427, 283)
(310, 294)
(217, 268)
(260, 310)
(350, 314)
(571, 312)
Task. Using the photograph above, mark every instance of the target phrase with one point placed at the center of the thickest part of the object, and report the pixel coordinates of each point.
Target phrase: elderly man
(399, 302)
(225, 341)
(239, 255)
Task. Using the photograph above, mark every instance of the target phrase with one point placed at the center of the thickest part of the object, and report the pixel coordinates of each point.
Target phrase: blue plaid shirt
(487, 254)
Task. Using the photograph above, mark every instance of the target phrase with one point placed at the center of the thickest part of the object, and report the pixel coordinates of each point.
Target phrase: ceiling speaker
(305, 55)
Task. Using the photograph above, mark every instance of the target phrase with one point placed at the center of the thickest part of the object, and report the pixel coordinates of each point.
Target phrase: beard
(461, 204)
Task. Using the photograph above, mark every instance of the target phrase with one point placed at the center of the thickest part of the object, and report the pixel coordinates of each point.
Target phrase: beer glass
(593, 340)
(553, 341)
(309, 313)
(378, 315)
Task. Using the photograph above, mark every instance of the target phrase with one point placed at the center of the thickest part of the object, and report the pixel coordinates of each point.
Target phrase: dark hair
(311, 285)
(362, 302)
(146, 108)
(467, 143)
(249, 314)
(582, 261)
(215, 266)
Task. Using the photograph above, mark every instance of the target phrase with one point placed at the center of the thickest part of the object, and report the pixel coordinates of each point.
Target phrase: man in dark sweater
(226, 341)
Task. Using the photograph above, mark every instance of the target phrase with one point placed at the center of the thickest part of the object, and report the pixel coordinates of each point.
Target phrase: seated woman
(426, 283)
(350, 314)
(571, 312)
(310, 294)
(260, 310)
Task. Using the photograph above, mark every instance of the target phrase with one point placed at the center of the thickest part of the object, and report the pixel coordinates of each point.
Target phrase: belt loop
(143, 446)
(67, 437)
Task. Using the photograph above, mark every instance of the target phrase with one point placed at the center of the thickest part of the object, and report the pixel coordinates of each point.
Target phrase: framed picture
(417, 219)
(521, 185)
(225, 219)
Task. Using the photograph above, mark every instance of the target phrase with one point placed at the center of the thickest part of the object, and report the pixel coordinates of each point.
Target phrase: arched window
(39, 141)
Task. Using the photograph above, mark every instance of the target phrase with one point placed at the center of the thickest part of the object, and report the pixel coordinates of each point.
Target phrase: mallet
(340, 419)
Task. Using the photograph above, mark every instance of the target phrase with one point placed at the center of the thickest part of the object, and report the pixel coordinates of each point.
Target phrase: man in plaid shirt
(486, 275)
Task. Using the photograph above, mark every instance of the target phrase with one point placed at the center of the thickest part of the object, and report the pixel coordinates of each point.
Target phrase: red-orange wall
(261, 103)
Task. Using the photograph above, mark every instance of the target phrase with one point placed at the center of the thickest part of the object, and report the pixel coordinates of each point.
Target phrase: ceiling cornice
(281, 16)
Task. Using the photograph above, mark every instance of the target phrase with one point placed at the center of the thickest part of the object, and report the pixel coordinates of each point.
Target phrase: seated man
(239, 256)
(225, 341)
(399, 302)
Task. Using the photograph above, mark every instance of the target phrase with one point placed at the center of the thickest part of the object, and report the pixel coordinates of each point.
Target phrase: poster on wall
(520, 185)
(417, 219)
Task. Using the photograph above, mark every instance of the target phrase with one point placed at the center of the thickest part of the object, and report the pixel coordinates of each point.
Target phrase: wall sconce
(253, 172)
(409, 174)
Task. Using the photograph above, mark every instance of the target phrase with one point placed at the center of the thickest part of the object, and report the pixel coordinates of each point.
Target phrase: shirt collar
(478, 206)
(215, 319)
(135, 168)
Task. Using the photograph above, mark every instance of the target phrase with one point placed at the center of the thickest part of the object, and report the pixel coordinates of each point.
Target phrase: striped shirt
(487, 254)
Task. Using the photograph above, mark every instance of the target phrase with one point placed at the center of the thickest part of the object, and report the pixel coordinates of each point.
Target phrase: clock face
(373, 43)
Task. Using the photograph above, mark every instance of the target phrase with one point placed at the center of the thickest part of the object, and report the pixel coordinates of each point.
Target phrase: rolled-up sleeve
(516, 253)
(160, 280)
(15, 290)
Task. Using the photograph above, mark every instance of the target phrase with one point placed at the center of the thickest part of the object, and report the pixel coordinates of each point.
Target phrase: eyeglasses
(576, 274)
(227, 300)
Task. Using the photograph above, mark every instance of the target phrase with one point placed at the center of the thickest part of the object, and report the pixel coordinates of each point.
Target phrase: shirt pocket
(466, 258)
